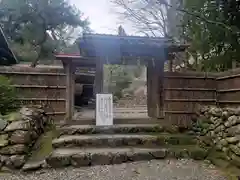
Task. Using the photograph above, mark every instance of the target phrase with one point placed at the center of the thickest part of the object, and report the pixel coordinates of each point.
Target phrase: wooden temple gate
(97, 50)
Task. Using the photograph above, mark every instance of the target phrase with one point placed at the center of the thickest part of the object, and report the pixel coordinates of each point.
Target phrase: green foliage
(120, 78)
(212, 28)
(138, 71)
(7, 96)
(40, 27)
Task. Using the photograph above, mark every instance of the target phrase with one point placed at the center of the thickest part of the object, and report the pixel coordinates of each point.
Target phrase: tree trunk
(35, 62)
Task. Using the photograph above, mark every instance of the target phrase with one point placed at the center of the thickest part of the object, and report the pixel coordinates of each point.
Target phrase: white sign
(104, 110)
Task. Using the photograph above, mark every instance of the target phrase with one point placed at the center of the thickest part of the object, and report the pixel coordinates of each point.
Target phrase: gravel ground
(152, 170)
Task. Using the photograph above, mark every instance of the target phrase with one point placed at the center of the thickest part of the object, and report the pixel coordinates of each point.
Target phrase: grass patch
(43, 146)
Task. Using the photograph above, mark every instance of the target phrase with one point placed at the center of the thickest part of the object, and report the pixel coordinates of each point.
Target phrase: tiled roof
(113, 45)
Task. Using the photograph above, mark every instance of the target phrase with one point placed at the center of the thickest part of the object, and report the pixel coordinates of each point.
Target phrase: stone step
(119, 129)
(76, 157)
(123, 120)
(116, 140)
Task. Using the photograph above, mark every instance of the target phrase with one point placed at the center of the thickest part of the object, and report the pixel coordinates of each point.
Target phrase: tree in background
(155, 18)
(151, 18)
(37, 28)
(211, 27)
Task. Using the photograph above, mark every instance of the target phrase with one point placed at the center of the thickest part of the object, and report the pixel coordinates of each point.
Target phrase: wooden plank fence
(182, 92)
(39, 86)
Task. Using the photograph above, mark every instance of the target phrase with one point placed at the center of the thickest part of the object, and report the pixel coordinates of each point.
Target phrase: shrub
(120, 78)
(8, 95)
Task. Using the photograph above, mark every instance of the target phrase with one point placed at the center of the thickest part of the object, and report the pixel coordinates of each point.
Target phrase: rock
(3, 159)
(227, 124)
(58, 160)
(223, 142)
(204, 109)
(224, 135)
(220, 135)
(101, 158)
(6, 169)
(3, 124)
(219, 146)
(216, 111)
(219, 129)
(236, 111)
(14, 149)
(212, 134)
(20, 137)
(79, 160)
(8, 163)
(213, 119)
(17, 161)
(160, 154)
(29, 113)
(18, 125)
(232, 120)
(178, 153)
(207, 115)
(34, 135)
(3, 140)
(234, 130)
(217, 123)
(225, 115)
(119, 158)
(225, 149)
(33, 166)
(198, 153)
(206, 140)
(211, 127)
(232, 140)
(235, 149)
(235, 160)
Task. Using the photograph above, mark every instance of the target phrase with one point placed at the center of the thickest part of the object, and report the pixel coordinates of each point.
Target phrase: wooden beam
(155, 79)
(99, 77)
(170, 65)
(70, 90)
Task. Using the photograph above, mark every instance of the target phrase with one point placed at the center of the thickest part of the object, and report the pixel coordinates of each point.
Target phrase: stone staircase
(85, 145)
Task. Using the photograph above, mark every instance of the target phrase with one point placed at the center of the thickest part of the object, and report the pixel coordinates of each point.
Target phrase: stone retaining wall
(219, 129)
(18, 133)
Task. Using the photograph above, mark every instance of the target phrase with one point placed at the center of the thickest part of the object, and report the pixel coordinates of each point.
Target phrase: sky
(102, 15)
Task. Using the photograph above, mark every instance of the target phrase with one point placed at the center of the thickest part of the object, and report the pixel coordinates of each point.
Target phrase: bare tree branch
(197, 15)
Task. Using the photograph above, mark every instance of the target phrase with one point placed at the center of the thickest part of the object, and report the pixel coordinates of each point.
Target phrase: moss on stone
(198, 153)
(157, 129)
(179, 153)
(43, 146)
(173, 140)
(186, 151)
(220, 162)
(203, 125)
(14, 116)
(3, 140)
(187, 140)
(171, 129)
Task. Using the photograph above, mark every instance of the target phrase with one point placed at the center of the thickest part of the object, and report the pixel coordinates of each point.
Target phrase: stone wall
(18, 133)
(219, 129)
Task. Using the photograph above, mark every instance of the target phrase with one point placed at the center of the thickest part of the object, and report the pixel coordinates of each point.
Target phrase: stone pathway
(151, 170)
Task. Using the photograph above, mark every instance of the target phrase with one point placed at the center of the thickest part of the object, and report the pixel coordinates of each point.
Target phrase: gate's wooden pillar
(99, 79)
(70, 90)
(155, 73)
